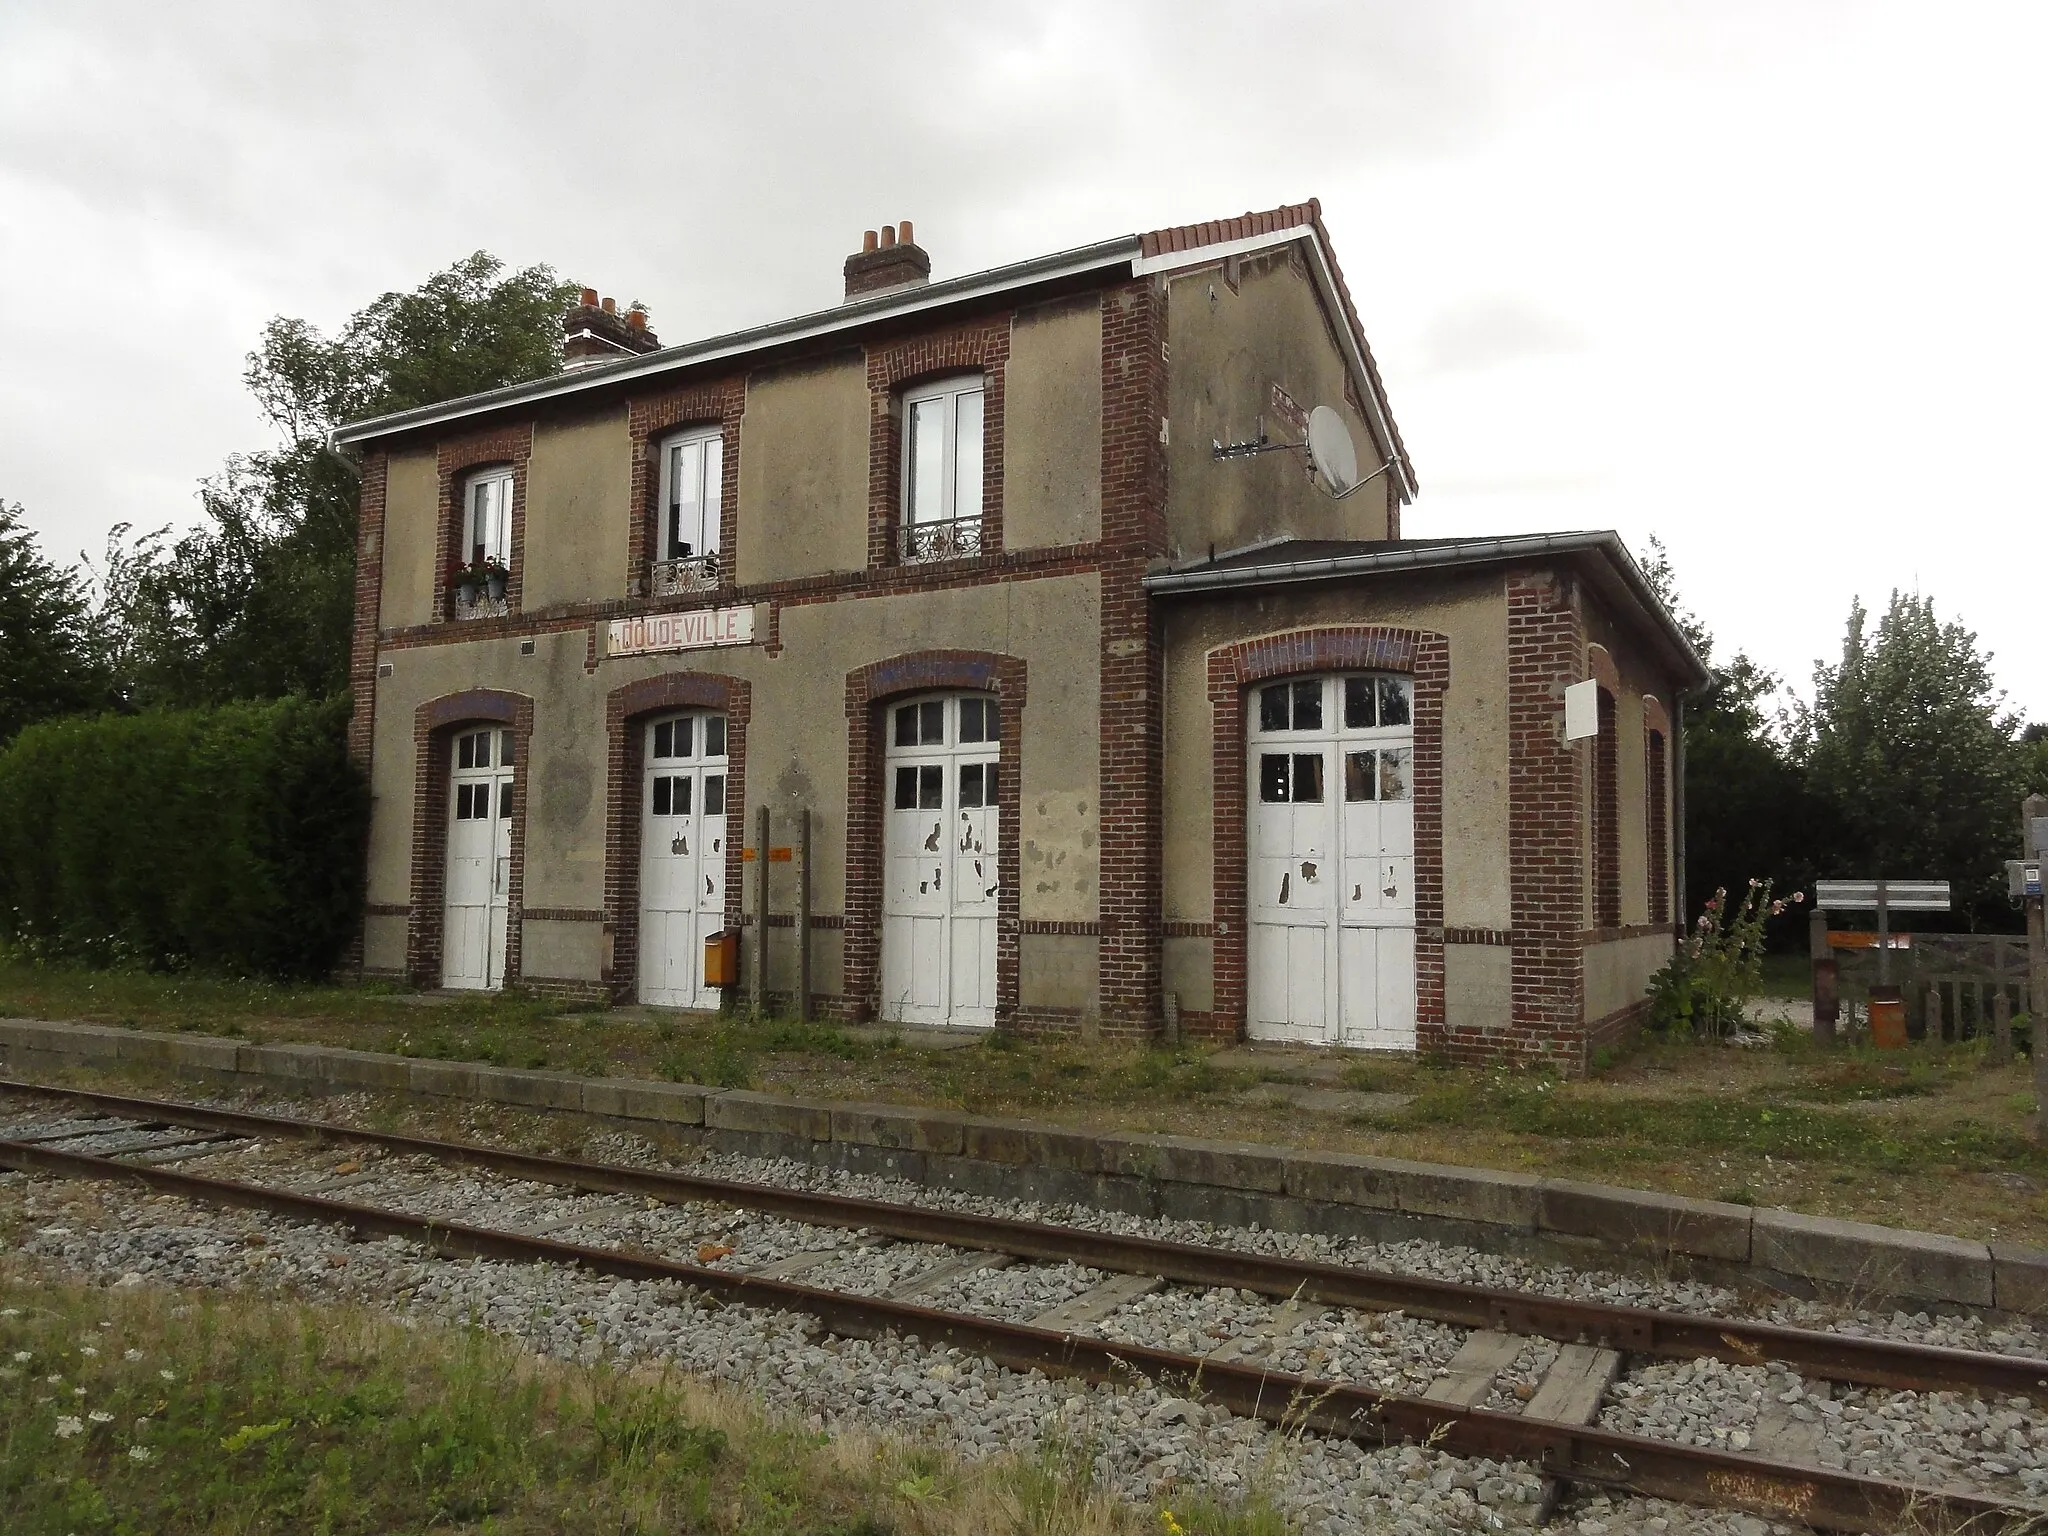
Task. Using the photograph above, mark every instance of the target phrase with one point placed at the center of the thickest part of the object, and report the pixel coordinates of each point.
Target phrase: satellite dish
(1331, 450)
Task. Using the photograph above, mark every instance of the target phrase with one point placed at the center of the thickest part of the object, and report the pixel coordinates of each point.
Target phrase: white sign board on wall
(697, 629)
(1582, 710)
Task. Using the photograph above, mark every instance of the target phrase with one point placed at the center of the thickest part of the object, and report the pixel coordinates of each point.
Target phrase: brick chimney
(595, 332)
(887, 259)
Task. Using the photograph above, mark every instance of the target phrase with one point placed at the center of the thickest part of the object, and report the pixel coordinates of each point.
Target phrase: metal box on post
(722, 958)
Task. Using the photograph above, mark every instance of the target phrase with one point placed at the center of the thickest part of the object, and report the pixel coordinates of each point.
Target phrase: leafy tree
(48, 664)
(1749, 813)
(1910, 741)
(257, 600)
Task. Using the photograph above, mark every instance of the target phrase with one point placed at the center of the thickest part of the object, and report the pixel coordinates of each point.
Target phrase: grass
(1932, 1137)
(142, 1411)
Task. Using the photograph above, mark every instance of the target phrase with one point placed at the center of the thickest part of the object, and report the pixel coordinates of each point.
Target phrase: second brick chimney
(595, 332)
(887, 258)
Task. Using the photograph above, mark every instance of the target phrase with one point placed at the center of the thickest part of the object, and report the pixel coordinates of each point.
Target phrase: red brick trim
(1180, 930)
(1600, 667)
(626, 708)
(1499, 937)
(1070, 930)
(362, 639)
(1132, 656)
(1619, 931)
(435, 724)
(1654, 717)
(982, 344)
(1657, 822)
(1607, 815)
(719, 402)
(1546, 844)
(386, 909)
(458, 457)
(1233, 669)
(869, 690)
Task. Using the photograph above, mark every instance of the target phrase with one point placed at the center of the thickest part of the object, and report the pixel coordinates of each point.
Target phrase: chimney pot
(903, 233)
(589, 299)
(888, 236)
(610, 306)
(867, 241)
(886, 260)
(637, 318)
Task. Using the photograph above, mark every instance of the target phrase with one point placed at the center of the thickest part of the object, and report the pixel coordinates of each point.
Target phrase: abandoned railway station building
(1068, 605)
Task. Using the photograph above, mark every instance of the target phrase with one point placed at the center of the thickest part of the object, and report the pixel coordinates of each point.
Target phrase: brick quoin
(436, 723)
(1233, 671)
(627, 710)
(362, 643)
(1133, 649)
(1547, 795)
(869, 692)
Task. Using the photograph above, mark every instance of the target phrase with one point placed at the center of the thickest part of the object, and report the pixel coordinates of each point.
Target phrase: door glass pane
(906, 726)
(927, 462)
(1358, 695)
(931, 787)
(680, 801)
(684, 732)
(1273, 778)
(970, 785)
(1308, 706)
(931, 721)
(714, 794)
(1273, 708)
(988, 784)
(505, 800)
(661, 796)
(991, 723)
(1308, 778)
(967, 457)
(1360, 776)
(665, 739)
(504, 749)
(714, 736)
(906, 789)
(970, 720)
(1396, 774)
(465, 752)
(1396, 695)
(462, 802)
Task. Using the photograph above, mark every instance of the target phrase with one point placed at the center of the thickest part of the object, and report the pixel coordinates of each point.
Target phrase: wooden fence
(1952, 983)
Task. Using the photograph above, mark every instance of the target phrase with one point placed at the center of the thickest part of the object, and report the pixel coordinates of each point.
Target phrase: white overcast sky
(1765, 279)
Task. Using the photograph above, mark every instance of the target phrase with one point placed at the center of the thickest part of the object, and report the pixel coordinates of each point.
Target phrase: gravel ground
(1145, 1444)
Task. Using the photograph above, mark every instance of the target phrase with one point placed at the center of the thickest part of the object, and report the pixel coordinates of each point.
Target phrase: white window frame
(710, 493)
(494, 521)
(951, 391)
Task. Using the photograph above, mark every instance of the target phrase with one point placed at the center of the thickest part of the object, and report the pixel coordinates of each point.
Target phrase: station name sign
(695, 630)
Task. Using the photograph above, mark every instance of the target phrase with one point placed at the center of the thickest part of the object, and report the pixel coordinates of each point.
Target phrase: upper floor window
(488, 518)
(942, 470)
(692, 478)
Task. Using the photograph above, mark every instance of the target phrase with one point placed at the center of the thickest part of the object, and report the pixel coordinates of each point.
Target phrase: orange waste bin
(722, 959)
(1887, 1019)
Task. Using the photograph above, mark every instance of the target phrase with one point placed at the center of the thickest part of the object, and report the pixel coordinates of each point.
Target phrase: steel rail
(1817, 1496)
(1890, 1364)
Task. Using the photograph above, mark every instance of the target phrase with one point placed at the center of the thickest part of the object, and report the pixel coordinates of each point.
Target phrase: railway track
(1568, 1354)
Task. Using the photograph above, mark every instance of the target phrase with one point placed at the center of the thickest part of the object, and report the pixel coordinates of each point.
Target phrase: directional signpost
(1886, 897)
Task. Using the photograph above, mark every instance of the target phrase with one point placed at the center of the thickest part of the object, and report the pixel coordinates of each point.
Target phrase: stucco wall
(1052, 426)
(1470, 611)
(1478, 986)
(578, 487)
(562, 951)
(1619, 971)
(1228, 351)
(796, 747)
(411, 560)
(1056, 970)
(384, 943)
(804, 471)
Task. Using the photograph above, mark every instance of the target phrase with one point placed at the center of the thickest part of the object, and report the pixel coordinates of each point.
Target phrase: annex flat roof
(1288, 562)
(1188, 245)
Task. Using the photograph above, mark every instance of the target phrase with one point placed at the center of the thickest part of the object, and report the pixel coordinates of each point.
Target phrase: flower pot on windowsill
(465, 594)
(494, 585)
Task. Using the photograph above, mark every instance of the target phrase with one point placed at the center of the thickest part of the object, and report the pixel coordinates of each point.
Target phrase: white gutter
(841, 317)
(1201, 578)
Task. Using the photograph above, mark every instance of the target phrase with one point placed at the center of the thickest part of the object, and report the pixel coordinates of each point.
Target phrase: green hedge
(226, 839)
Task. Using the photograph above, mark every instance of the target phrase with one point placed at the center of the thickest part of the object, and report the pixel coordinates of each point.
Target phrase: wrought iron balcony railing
(479, 605)
(692, 573)
(957, 539)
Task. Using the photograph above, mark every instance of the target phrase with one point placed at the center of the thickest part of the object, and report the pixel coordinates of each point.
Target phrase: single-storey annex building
(1070, 601)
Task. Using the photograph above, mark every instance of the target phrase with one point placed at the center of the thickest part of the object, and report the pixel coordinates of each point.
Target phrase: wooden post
(2001, 1026)
(2031, 817)
(1933, 1034)
(761, 917)
(1827, 998)
(803, 918)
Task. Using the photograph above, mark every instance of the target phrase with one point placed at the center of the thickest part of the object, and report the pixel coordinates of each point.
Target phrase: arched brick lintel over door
(1233, 670)
(435, 724)
(626, 710)
(869, 690)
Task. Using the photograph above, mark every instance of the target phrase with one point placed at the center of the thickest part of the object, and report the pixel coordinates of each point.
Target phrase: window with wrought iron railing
(692, 483)
(942, 429)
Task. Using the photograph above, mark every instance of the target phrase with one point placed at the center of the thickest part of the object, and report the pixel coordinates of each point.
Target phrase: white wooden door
(682, 857)
(479, 874)
(939, 896)
(1331, 862)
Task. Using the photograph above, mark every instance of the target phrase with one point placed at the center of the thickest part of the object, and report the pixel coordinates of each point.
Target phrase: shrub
(1717, 967)
(226, 839)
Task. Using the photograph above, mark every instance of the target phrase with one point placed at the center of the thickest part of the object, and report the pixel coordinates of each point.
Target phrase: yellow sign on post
(775, 855)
